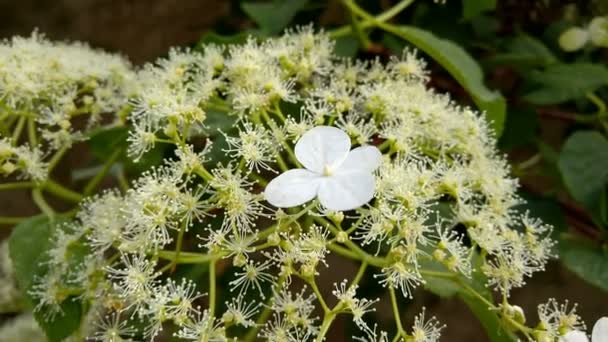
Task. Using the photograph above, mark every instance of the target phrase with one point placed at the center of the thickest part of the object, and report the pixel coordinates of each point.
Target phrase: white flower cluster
(61, 90)
(27, 162)
(423, 192)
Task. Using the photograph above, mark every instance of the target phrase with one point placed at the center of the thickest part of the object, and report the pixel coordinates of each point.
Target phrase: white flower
(342, 179)
(598, 334)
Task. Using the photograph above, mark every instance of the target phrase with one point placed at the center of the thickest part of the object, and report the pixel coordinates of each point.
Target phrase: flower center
(327, 170)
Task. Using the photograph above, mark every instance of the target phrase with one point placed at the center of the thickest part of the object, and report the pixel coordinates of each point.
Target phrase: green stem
(42, 204)
(372, 260)
(123, 183)
(94, 182)
(18, 129)
(189, 257)
(4, 220)
(359, 274)
(178, 244)
(204, 174)
(16, 185)
(31, 132)
(212, 289)
(61, 191)
(385, 16)
(359, 31)
(252, 334)
(396, 312)
(56, 158)
(313, 285)
(599, 103)
(325, 325)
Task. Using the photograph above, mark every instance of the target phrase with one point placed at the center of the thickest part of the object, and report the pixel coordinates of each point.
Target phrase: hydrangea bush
(283, 162)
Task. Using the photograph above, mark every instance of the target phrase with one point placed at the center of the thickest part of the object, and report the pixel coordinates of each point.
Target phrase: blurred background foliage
(537, 69)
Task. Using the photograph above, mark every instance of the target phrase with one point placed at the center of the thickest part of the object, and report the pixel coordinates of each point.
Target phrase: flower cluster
(60, 91)
(374, 167)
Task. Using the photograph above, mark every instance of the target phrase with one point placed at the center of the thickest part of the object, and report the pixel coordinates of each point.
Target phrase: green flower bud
(573, 39)
(598, 31)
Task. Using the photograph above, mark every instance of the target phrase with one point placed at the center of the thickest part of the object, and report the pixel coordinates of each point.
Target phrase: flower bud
(598, 31)
(239, 260)
(342, 237)
(337, 217)
(573, 39)
(274, 239)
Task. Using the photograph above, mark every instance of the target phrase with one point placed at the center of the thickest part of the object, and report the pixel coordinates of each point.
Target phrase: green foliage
(104, 142)
(586, 260)
(564, 82)
(463, 68)
(28, 245)
(473, 8)
(457, 285)
(272, 17)
(520, 128)
(218, 122)
(522, 52)
(583, 163)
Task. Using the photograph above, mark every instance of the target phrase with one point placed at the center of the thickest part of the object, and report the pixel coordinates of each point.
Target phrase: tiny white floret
(341, 179)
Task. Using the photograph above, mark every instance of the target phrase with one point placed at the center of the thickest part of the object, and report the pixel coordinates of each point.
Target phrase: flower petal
(346, 191)
(574, 336)
(292, 188)
(363, 158)
(321, 146)
(600, 330)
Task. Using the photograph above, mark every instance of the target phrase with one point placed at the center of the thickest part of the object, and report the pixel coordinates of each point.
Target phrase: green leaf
(346, 46)
(583, 163)
(488, 318)
(587, 261)
(463, 68)
(520, 128)
(28, 244)
(274, 16)
(564, 82)
(104, 142)
(523, 51)
(473, 8)
(218, 122)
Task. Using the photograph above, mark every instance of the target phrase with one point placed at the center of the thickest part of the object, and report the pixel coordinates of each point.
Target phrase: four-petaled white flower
(598, 334)
(341, 179)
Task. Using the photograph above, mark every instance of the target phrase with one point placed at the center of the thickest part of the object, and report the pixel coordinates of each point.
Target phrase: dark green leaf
(564, 82)
(105, 141)
(485, 26)
(587, 261)
(488, 318)
(523, 51)
(473, 8)
(28, 245)
(274, 16)
(441, 286)
(520, 128)
(346, 46)
(31, 232)
(463, 68)
(218, 122)
(583, 163)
